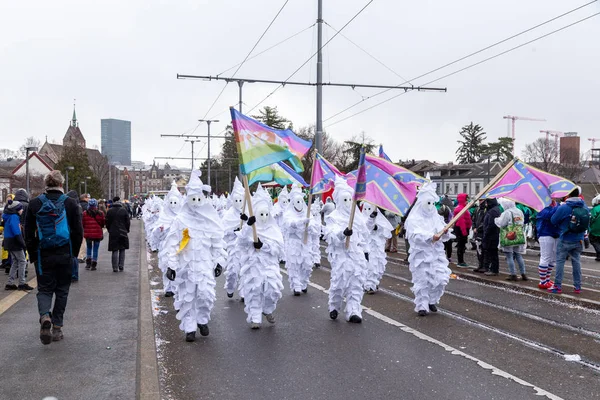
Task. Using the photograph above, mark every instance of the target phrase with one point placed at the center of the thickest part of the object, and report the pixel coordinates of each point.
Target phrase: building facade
(570, 149)
(453, 179)
(116, 140)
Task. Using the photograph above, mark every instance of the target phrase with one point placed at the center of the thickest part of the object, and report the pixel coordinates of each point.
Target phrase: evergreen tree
(472, 146)
(270, 117)
(76, 157)
(500, 151)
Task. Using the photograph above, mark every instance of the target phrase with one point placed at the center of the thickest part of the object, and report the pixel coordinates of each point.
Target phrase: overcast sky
(119, 59)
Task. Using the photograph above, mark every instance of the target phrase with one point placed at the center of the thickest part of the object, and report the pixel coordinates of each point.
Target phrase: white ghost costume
(380, 230)
(315, 237)
(299, 257)
(195, 247)
(155, 210)
(260, 277)
(173, 205)
(283, 200)
(427, 259)
(231, 223)
(348, 266)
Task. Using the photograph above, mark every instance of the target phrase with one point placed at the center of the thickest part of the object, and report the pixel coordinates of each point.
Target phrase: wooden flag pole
(310, 198)
(476, 198)
(351, 223)
(249, 202)
(243, 207)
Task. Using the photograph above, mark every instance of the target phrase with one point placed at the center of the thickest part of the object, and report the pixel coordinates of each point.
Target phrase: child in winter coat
(14, 243)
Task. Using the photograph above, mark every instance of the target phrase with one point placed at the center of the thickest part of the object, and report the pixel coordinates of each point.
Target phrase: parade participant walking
(173, 206)
(53, 235)
(231, 225)
(315, 237)
(491, 238)
(380, 230)
(15, 245)
(391, 244)
(573, 219)
(462, 229)
(478, 217)
(348, 265)
(196, 256)
(260, 278)
(427, 260)
(548, 234)
(93, 225)
(118, 224)
(283, 200)
(513, 219)
(22, 197)
(299, 255)
(594, 231)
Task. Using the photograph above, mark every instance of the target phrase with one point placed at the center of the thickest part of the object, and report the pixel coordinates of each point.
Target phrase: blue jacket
(544, 225)
(13, 239)
(562, 217)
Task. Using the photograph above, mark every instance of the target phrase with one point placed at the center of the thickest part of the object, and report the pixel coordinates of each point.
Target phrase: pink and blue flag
(280, 173)
(530, 186)
(382, 154)
(383, 191)
(360, 188)
(323, 175)
(259, 145)
(400, 174)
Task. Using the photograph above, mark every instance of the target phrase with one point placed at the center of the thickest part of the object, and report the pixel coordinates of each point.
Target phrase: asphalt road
(487, 342)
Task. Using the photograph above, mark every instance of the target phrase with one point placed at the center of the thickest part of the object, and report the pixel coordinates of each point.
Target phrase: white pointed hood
(204, 216)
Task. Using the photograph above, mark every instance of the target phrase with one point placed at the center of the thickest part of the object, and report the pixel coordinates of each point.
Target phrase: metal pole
(27, 170)
(85, 186)
(240, 84)
(319, 125)
(192, 154)
(208, 143)
(109, 183)
(229, 187)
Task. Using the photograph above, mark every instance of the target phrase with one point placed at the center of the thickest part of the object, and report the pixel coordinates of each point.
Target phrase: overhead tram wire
(312, 56)
(469, 66)
(247, 56)
(369, 54)
(462, 58)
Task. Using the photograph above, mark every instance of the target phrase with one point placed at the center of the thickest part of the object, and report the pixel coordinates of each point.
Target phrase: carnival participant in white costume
(348, 265)
(170, 210)
(327, 208)
(315, 237)
(155, 211)
(196, 255)
(260, 277)
(283, 200)
(427, 259)
(231, 224)
(299, 257)
(380, 230)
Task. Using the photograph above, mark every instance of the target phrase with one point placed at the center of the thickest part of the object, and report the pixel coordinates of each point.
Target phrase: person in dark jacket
(462, 228)
(477, 218)
(15, 245)
(53, 265)
(118, 224)
(22, 197)
(445, 212)
(93, 223)
(548, 234)
(84, 201)
(490, 239)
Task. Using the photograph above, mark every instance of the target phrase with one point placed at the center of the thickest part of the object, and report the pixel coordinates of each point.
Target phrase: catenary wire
(462, 58)
(248, 55)
(312, 56)
(468, 67)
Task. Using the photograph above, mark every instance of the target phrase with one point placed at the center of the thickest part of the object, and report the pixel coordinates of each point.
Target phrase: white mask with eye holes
(196, 201)
(298, 204)
(173, 203)
(429, 205)
(262, 214)
(368, 209)
(238, 200)
(284, 202)
(345, 201)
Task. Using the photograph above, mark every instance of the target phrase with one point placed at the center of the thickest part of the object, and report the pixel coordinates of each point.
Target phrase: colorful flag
(382, 154)
(383, 191)
(280, 173)
(260, 145)
(323, 175)
(401, 174)
(360, 188)
(530, 186)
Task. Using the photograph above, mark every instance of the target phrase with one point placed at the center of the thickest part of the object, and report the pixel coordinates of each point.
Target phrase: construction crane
(514, 118)
(548, 133)
(594, 140)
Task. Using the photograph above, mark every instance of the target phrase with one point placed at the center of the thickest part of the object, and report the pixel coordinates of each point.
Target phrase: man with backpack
(573, 219)
(53, 235)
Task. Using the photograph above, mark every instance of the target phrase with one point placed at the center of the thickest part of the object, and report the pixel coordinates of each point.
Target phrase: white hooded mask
(237, 195)
(343, 196)
(297, 204)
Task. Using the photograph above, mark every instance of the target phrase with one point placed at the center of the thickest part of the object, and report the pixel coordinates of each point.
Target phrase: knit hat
(15, 205)
(93, 203)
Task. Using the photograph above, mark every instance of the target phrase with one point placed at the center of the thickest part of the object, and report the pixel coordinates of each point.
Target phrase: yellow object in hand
(184, 240)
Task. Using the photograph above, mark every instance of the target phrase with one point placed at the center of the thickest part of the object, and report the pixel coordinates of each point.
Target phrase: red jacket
(465, 222)
(92, 226)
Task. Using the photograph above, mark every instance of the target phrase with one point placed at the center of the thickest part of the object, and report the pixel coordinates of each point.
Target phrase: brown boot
(94, 264)
(57, 333)
(45, 326)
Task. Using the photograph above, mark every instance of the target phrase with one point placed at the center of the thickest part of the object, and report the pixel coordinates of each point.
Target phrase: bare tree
(7, 154)
(543, 154)
(31, 141)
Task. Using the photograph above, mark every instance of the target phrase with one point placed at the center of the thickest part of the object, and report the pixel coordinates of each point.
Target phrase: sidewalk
(98, 358)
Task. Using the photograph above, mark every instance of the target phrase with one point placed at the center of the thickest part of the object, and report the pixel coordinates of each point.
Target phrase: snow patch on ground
(572, 357)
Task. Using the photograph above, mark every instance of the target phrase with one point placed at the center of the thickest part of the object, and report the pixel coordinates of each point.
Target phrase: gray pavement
(97, 358)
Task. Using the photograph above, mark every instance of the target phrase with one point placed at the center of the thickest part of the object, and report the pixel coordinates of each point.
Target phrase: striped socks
(549, 273)
(543, 274)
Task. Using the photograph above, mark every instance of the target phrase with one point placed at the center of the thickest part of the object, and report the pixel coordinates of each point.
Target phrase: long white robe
(376, 249)
(231, 223)
(299, 256)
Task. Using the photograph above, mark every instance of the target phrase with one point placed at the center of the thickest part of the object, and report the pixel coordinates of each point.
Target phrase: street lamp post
(69, 168)
(27, 150)
(208, 122)
(80, 187)
(86, 179)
